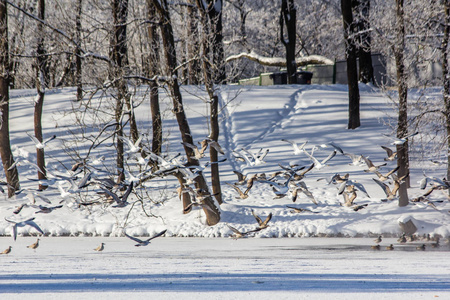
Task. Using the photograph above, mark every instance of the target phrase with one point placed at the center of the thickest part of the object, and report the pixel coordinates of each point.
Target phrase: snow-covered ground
(211, 268)
(253, 118)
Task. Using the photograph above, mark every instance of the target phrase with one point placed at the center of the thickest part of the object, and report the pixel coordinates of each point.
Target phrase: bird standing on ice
(34, 245)
(100, 248)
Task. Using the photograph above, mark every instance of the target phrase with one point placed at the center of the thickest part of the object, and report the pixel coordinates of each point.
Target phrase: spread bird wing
(258, 219)
(267, 220)
(133, 238)
(384, 186)
(157, 235)
(234, 229)
(33, 224)
(389, 151)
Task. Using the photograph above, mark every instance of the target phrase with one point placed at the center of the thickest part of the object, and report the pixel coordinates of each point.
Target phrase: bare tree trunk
(153, 62)
(208, 26)
(214, 11)
(12, 176)
(288, 18)
(15, 48)
(185, 197)
(193, 44)
(213, 215)
(365, 45)
(352, 69)
(446, 79)
(402, 129)
(120, 60)
(78, 64)
(41, 85)
(215, 174)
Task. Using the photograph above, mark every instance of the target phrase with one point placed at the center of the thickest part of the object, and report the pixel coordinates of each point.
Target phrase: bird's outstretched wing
(258, 219)
(133, 238)
(234, 230)
(33, 224)
(157, 235)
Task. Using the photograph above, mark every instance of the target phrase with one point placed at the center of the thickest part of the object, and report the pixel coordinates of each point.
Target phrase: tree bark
(41, 84)
(402, 129)
(365, 45)
(213, 98)
(78, 63)
(120, 60)
(15, 48)
(214, 11)
(288, 19)
(446, 79)
(212, 217)
(12, 176)
(193, 44)
(153, 62)
(352, 69)
(215, 174)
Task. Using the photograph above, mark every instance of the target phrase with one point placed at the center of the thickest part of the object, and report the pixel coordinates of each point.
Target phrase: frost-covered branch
(60, 32)
(43, 22)
(94, 55)
(279, 61)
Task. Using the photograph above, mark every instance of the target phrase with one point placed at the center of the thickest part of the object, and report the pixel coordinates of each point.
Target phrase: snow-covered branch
(280, 61)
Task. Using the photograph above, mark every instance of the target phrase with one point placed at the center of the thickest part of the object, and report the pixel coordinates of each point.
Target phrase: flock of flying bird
(114, 193)
(289, 180)
(346, 187)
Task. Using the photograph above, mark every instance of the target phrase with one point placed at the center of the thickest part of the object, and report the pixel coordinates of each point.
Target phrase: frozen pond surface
(223, 268)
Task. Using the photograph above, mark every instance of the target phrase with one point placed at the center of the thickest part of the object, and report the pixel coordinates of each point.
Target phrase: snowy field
(286, 260)
(212, 268)
(252, 118)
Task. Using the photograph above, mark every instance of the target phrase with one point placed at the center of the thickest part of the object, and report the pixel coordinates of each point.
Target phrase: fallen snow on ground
(253, 118)
(206, 268)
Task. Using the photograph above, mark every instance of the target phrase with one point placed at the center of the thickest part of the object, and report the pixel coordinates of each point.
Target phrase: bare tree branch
(59, 31)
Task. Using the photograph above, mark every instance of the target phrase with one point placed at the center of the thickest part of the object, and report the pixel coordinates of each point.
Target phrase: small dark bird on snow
(421, 247)
(7, 250)
(34, 246)
(435, 245)
(100, 248)
(402, 239)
